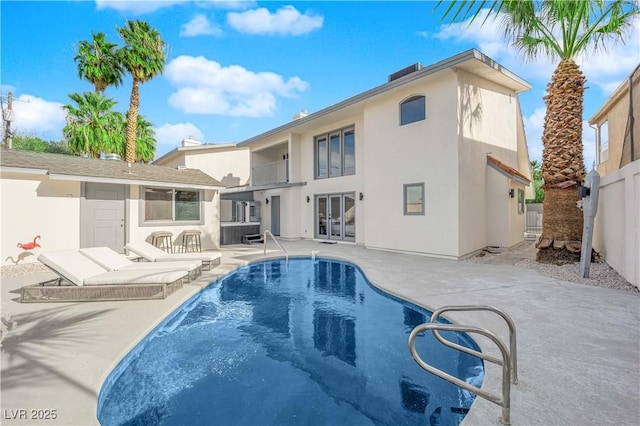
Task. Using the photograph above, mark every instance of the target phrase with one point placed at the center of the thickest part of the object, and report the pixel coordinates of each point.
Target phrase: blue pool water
(309, 344)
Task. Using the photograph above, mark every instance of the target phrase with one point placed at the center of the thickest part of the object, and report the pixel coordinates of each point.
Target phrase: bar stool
(191, 241)
(163, 240)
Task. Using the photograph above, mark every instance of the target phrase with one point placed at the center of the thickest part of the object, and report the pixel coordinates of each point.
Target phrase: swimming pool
(311, 343)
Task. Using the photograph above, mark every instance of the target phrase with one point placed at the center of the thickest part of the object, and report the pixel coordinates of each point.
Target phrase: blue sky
(238, 68)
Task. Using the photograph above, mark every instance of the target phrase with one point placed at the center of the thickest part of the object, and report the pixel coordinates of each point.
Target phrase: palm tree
(92, 127)
(561, 30)
(145, 140)
(144, 58)
(99, 63)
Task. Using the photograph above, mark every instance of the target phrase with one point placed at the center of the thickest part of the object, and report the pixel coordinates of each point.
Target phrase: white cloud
(286, 20)
(533, 125)
(173, 134)
(38, 117)
(206, 87)
(226, 4)
(136, 7)
(606, 69)
(199, 25)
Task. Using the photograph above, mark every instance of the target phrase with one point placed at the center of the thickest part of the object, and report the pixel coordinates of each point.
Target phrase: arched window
(413, 109)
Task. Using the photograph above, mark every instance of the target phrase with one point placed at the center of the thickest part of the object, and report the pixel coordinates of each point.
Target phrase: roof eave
(519, 85)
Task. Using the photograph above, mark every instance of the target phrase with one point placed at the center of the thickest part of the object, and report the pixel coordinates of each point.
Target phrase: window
(520, 201)
(414, 199)
(335, 154)
(413, 109)
(604, 141)
(169, 205)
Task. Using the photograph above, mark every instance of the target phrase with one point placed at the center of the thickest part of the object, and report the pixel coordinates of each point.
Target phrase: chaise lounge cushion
(154, 254)
(80, 270)
(113, 261)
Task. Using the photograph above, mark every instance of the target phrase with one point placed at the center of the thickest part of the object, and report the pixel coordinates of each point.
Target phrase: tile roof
(92, 169)
(500, 166)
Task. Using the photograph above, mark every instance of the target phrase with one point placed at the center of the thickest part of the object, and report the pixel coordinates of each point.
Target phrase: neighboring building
(73, 202)
(434, 162)
(229, 164)
(616, 233)
(618, 127)
(226, 163)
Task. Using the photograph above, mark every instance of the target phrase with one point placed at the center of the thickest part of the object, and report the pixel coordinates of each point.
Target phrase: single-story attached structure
(53, 202)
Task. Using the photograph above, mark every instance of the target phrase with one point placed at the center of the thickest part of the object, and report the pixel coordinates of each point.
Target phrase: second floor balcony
(270, 173)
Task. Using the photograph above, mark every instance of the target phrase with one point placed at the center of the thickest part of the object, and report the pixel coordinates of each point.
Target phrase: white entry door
(102, 218)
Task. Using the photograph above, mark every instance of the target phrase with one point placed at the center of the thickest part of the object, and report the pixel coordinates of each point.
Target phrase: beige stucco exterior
(613, 142)
(467, 204)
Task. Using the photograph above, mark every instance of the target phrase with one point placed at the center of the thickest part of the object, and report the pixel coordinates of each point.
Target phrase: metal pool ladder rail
(508, 362)
(264, 244)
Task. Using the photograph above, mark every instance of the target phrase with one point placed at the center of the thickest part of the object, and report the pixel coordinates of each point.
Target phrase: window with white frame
(413, 199)
(335, 153)
(413, 109)
(171, 205)
(604, 141)
(520, 201)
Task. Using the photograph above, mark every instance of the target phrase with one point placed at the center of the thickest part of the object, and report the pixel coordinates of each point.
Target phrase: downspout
(597, 130)
(631, 121)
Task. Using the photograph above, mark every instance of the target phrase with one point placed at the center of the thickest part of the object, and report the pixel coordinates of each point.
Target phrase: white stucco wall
(489, 124)
(617, 224)
(36, 205)
(210, 238)
(424, 151)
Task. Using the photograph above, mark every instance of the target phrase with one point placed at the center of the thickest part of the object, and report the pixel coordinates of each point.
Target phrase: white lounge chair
(154, 254)
(89, 281)
(111, 260)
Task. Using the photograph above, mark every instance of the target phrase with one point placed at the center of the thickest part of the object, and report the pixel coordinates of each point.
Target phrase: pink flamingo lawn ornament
(30, 246)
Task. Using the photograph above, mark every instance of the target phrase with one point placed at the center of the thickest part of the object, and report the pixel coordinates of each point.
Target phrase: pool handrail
(513, 352)
(505, 402)
(264, 244)
(508, 361)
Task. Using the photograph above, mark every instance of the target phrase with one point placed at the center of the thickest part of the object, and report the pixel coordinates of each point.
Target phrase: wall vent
(405, 71)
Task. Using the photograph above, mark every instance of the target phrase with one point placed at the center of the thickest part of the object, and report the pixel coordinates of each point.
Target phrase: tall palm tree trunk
(562, 165)
(132, 121)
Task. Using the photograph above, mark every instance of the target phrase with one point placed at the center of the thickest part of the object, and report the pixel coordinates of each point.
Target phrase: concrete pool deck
(578, 346)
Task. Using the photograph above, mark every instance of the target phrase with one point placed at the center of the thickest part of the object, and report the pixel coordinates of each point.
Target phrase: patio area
(578, 346)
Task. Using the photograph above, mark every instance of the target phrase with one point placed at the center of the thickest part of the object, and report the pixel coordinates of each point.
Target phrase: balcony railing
(266, 174)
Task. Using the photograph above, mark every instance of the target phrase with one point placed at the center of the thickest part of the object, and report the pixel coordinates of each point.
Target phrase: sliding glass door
(335, 217)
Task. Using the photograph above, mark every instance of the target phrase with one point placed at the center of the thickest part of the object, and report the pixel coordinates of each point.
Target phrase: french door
(335, 216)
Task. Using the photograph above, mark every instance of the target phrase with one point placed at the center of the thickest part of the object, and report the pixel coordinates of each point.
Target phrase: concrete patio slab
(578, 346)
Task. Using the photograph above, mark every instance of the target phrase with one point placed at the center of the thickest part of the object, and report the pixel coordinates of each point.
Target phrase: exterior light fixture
(511, 193)
(266, 201)
(361, 196)
(308, 199)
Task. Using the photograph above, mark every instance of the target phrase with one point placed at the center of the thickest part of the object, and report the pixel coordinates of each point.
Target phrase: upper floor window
(413, 109)
(335, 153)
(169, 205)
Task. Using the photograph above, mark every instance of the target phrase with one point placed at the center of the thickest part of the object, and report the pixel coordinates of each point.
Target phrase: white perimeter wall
(617, 223)
(35, 205)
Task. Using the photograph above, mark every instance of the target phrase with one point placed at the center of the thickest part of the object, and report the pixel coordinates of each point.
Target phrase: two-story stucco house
(434, 162)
